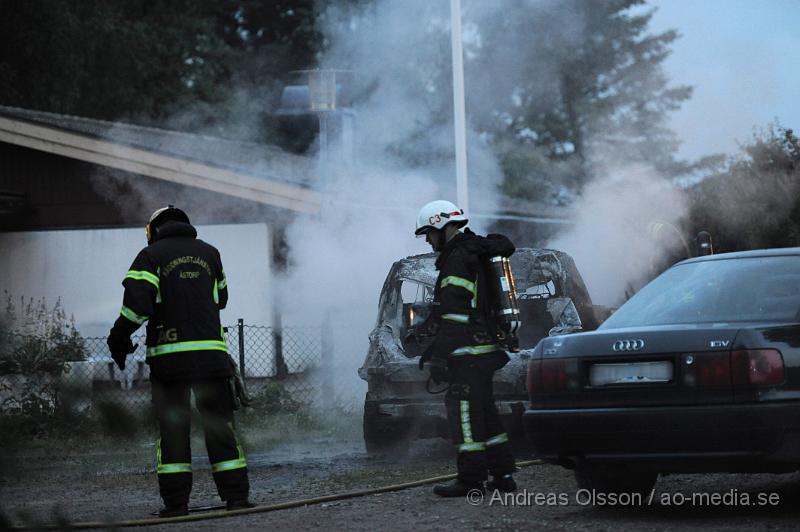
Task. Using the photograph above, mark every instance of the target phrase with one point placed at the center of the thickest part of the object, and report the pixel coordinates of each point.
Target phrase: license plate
(630, 373)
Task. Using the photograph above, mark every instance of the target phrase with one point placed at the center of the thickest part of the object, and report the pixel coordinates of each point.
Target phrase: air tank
(503, 301)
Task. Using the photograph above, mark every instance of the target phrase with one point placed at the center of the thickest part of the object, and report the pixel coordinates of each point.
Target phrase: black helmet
(170, 213)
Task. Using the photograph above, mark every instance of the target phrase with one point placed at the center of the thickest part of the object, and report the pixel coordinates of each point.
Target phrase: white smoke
(627, 226)
(398, 54)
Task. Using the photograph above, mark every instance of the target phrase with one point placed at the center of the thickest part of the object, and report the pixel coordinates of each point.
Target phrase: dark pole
(241, 346)
(326, 361)
(280, 251)
(281, 371)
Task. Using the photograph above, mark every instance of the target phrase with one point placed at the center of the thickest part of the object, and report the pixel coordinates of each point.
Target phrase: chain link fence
(36, 374)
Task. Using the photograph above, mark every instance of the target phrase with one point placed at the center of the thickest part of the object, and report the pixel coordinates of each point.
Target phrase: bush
(754, 202)
(36, 344)
(271, 398)
(38, 339)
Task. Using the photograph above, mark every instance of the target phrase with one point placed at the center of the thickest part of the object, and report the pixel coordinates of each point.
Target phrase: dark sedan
(698, 372)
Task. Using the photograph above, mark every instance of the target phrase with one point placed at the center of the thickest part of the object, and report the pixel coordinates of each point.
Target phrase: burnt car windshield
(716, 291)
(417, 298)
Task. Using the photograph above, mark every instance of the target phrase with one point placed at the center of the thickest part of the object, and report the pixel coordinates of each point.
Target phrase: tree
(579, 82)
(552, 87)
(272, 40)
(132, 60)
(754, 202)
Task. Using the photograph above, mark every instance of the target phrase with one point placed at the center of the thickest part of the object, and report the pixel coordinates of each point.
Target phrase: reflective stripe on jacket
(461, 307)
(177, 286)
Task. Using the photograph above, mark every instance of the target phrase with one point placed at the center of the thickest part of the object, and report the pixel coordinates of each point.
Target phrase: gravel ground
(104, 486)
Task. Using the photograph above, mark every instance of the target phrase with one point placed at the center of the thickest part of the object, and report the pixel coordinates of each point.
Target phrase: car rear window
(730, 290)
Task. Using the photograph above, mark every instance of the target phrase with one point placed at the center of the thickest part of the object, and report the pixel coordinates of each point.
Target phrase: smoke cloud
(627, 227)
(398, 55)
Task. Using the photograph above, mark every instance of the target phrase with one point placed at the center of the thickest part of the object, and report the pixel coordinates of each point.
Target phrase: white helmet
(437, 214)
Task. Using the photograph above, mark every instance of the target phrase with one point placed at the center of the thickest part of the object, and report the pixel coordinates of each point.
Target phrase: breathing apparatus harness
(504, 315)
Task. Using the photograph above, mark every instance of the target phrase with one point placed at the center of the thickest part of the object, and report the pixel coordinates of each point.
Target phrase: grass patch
(111, 426)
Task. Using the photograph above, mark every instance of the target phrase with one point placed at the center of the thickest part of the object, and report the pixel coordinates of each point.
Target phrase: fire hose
(255, 510)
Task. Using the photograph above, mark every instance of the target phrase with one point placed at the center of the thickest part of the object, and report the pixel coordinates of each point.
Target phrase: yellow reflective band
(165, 469)
(458, 281)
(228, 465)
(475, 446)
(474, 302)
(138, 275)
(497, 440)
(475, 349)
(177, 347)
(460, 318)
(466, 428)
(216, 293)
(132, 316)
(224, 282)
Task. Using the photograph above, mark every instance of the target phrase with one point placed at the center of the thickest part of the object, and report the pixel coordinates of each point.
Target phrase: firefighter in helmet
(177, 286)
(464, 352)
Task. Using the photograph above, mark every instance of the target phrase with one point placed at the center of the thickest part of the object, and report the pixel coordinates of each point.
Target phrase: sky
(743, 59)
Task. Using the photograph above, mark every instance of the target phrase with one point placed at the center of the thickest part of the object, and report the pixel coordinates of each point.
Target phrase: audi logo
(628, 345)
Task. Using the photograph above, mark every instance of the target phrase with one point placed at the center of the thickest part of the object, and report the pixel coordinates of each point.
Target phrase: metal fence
(36, 370)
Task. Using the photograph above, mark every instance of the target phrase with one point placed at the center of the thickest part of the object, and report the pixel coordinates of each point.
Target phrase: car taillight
(534, 376)
(546, 376)
(707, 369)
(757, 366)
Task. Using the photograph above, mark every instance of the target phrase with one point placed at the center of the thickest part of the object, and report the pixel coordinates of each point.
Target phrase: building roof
(254, 171)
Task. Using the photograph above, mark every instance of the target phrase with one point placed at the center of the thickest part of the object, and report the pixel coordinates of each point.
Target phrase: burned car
(399, 408)
(698, 372)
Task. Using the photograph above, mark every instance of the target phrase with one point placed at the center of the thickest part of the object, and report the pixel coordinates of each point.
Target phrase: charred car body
(698, 372)
(398, 408)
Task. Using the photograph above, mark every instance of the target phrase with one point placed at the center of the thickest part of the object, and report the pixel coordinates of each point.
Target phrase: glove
(241, 391)
(438, 370)
(240, 395)
(120, 346)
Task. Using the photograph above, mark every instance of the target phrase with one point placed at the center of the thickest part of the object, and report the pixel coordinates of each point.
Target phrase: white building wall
(85, 269)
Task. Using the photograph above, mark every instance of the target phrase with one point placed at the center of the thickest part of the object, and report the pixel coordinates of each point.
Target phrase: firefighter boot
(238, 504)
(174, 510)
(457, 488)
(504, 484)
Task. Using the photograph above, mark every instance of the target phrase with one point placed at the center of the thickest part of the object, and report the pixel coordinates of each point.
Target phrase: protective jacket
(177, 285)
(466, 339)
(461, 306)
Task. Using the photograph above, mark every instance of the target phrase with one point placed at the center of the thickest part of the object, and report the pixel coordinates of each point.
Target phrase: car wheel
(385, 434)
(615, 480)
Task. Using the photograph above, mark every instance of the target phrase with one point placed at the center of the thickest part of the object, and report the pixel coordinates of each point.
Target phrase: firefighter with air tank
(469, 329)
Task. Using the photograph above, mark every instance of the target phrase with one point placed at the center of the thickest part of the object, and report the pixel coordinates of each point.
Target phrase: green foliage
(37, 338)
(553, 87)
(36, 344)
(271, 398)
(589, 85)
(754, 201)
(110, 59)
(568, 83)
(192, 65)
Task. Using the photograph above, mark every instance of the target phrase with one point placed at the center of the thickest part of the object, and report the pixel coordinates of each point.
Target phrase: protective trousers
(171, 401)
(475, 425)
